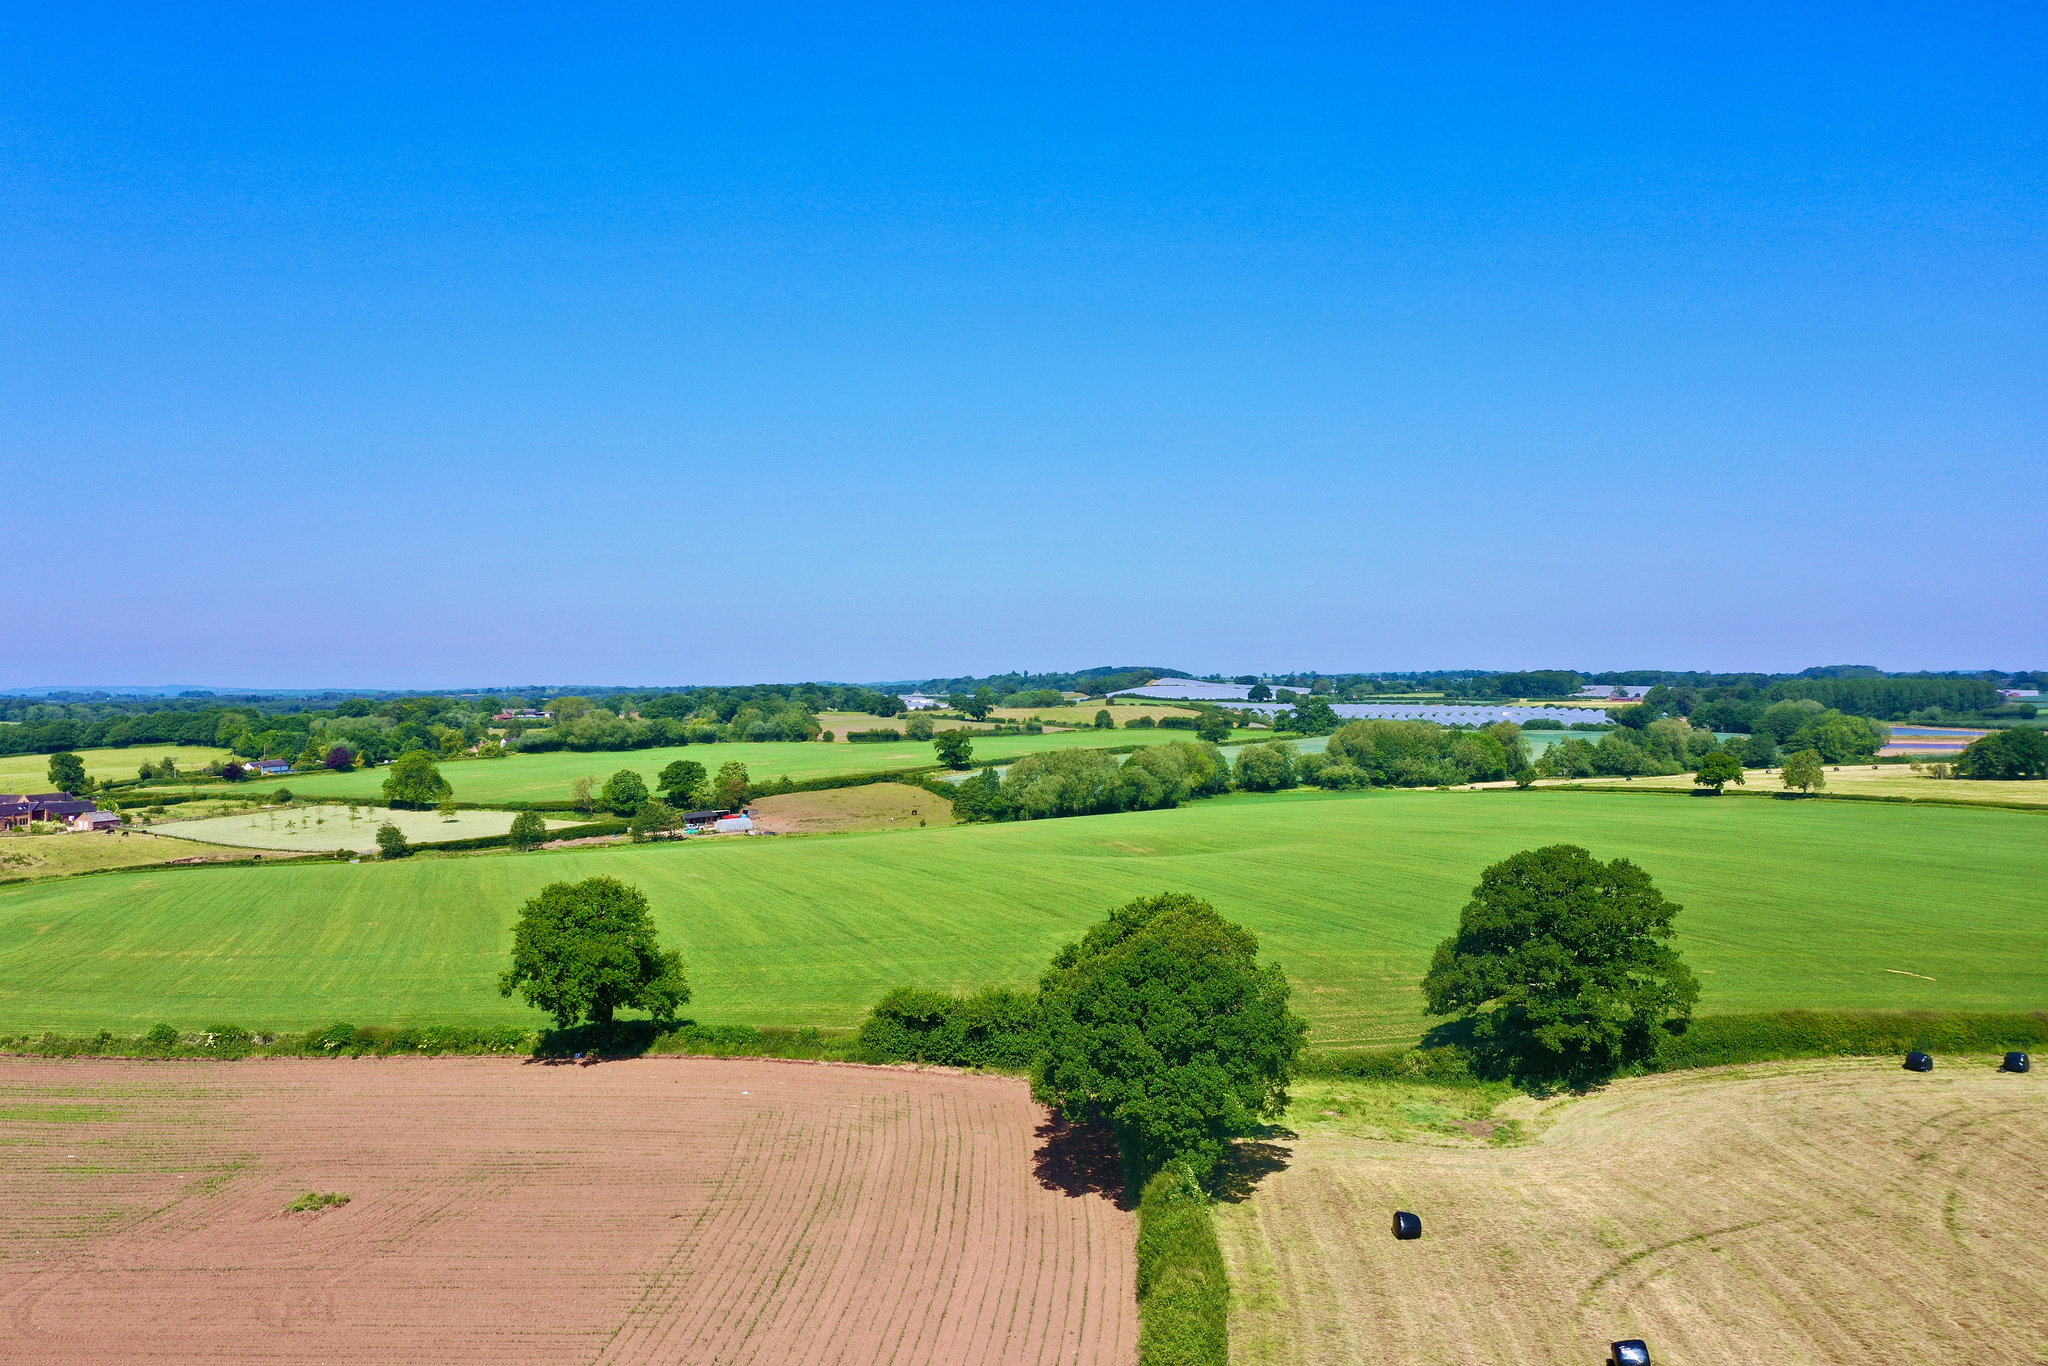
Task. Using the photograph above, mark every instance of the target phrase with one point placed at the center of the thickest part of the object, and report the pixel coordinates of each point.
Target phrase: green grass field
(1828, 905)
(31, 772)
(546, 777)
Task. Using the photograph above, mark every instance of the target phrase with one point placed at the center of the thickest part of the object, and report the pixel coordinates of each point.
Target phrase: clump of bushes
(995, 1027)
(1084, 782)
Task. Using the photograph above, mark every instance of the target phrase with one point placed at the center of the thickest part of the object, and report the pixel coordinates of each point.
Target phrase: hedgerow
(1183, 1288)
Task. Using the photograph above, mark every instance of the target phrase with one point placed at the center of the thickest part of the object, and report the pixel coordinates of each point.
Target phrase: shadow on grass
(589, 1043)
(1251, 1161)
(1080, 1159)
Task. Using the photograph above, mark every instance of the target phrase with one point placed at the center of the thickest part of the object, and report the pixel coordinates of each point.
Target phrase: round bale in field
(1919, 1062)
(1630, 1352)
(1407, 1225)
(2016, 1062)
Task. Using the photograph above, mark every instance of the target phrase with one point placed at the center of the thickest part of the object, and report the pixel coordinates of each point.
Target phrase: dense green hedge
(1183, 1289)
(995, 1027)
(1720, 1040)
(1714, 1040)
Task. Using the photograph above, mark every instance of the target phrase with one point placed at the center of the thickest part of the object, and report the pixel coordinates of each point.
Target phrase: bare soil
(671, 1210)
(1821, 1212)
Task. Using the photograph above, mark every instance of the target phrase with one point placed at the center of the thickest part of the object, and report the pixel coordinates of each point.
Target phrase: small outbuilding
(96, 820)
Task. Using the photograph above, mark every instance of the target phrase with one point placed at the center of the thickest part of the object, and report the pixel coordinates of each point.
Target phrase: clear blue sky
(368, 347)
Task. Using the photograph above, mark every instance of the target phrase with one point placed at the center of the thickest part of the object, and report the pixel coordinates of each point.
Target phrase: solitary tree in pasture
(67, 772)
(391, 842)
(587, 949)
(415, 782)
(528, 830)
(955, 748)
(1803, 771)
(1215, 727)
(732, 786)
(624, 793)
(447, 808)
(1259, 693)
(1718, 768)
(1104, 721)
(681, 781)
(1562, 966)
(1162, 1022)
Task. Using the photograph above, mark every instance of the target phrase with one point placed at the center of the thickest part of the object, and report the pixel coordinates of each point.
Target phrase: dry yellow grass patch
(1819, 1212)
(1124, 713)
(844, 723)
(32, 856)
(1886, 780)
(876, 806)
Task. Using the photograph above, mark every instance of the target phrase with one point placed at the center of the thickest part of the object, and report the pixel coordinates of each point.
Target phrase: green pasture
(547, 777)
(31, 772)
(1828, 905)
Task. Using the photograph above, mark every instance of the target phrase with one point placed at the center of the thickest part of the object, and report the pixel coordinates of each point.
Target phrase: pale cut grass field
(841, 810)
(31, 772)
(38, 856)
(844, 723)
(1880, 780)
(327, 828)
(1837, 1211)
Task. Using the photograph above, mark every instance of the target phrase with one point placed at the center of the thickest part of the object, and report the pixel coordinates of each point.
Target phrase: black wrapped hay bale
(1407, 1225)
(2017, 1062)
(1919, 1062)
(1630, 1352)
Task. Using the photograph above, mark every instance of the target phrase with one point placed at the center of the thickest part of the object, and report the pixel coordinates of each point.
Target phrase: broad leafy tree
(1718, 768)
(67, 773)
(528, 830)
(415, 782)
(1803, 771)
(585, 950)
(1104, 721)
(681, 781)
(2021, 752)
(1562, 966)
(1266, 768)
(1162, 1022)
(955, 748)
(625, 792)
(653, 818)
(1259, 693)
(340, 758)
(732, 787)
(391, 842)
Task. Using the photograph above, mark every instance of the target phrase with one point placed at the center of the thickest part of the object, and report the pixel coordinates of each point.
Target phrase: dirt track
(1841, 1212)
(660, 1210)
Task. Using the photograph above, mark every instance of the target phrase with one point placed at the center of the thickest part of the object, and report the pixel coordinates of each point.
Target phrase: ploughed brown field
(1824, 1212)
(660, 1210)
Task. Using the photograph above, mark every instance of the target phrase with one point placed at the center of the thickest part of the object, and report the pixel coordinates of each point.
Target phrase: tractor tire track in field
(739, 1212)
(1822, 1212)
